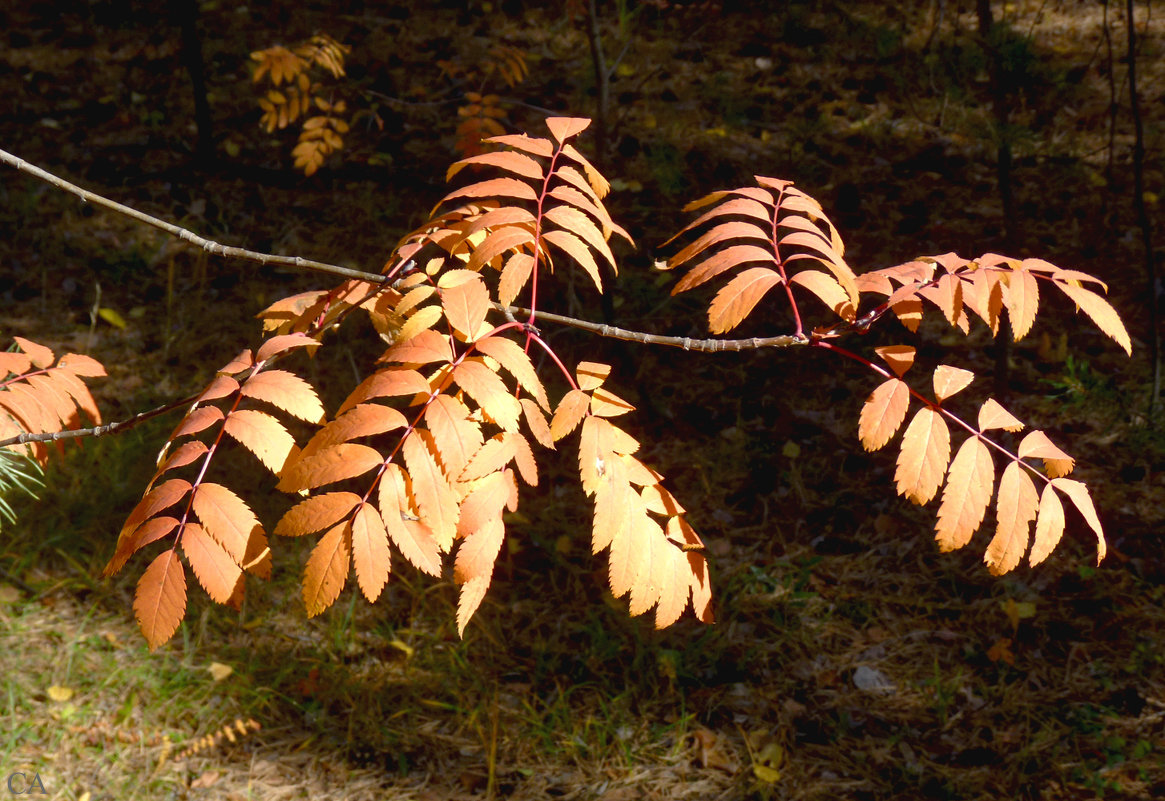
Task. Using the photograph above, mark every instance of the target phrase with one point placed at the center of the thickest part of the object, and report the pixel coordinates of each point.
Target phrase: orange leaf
(214, 568)
(482, 507)
(387, 383)
(79, 364)
(524, 459)
(160, 601)
(226, 517)
(1015, 508)
(591, 375)
(161, 497)
(605, 403)
(736, 229)
(474, 569)
(612, 505)
(882, 413)
(1023, 300)
(1077, 492)
(150, 531)
(316, 513)
(455, 435)
(411, 538)
(426, 347)
(492, 456)
(949, 380)
(563, 128)
(14, 363)
(574, 247)
(509, 354)
(326, 571)
(579, 224)
(970, 481)
(992, 415)
(286, 391)
(197, 420)
(719, 262)
(1103, 314)
(926, 452)
(537, 424)
(364, 420)
(515, 275)
(827, 290)
(1037, 444)
(328, 465)
(370, 554)
(1049, 526)
(528, 144)
(465, 306)
(495, 187)
(284, 342)
(39, 355)
(505, 160)
(947, 294)
(569, 413)
(262, 435)
(739, 296)
(899, 357)
(508, 239)
(436, 500)
(489, 391)
(219, 387)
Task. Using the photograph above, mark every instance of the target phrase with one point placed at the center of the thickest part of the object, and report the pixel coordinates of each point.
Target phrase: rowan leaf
(827, 290)
(326, 571)
(285, 391)
(328, 465)
(720, 261)
(1022, 299)
(569, 413)
(612, 499)
(362, 420)
(605, 403)
(436, 500)
(1101, 312)
(1049, 526)
(574, 247)
(80, 364)
(150, 531)
(992, 415)
(387, 383)
(883, 413)
(316, 513)
(283, 343)
(262, 435)
(414, 541)
(489, 391)
(925, 454)
(1056, 462)
(160, 600)
(465, 306)
(219, 387)
(970, 482)
(197, 420)
(515, 275)
(949, 380)
(899, 357)
(492, 456)
(509, 355)
(1077, 492)
(474, 569)
(40, 356)
(426, 347)
(537, 424)
(370, 554)
(738, 297)
(226, 517)
(160, 497)
(591, 375)
(495, 187)
(482, 506)
(563, 128)
(214, 568)
(506, 160)
(421, 320)
(1016, 506)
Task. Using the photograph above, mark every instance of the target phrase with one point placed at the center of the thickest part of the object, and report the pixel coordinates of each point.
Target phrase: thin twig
(97, 431)
(189, 236)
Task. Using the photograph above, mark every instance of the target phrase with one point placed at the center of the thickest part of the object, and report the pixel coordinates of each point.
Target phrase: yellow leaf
(219, 671)
(111, 317)
(60, 694)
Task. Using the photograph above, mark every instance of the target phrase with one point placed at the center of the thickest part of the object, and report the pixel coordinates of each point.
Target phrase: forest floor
(850, 659)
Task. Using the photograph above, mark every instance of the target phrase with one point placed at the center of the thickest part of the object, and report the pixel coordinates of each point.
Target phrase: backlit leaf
(286, 391)
(1101, 312)
(949, 380)
(1077, 492)
(720, 261)
(1023, 300)
(970, 482)
(226, 517)
(899, 357)
(1049, 526)
(465, 306)
(827, 290)
(738, 297)
(436, 500)
(574, 247)
(370, 554)
(411, 538)
(329, 465)
(214, 568)
(489, 391)
(882, 413)
(363, 420)
(160, 601)
(326, 571)
(282, 343)
(563, 128)
(1016, 507)
(262, 435)
(509, 355)
(926, 452)
(495, 187)
(316, 513)
(992, 415)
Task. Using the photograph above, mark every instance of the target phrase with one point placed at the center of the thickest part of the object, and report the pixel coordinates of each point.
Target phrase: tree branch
(97, 431)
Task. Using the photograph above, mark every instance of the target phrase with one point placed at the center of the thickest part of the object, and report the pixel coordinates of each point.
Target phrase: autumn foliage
(427, 454)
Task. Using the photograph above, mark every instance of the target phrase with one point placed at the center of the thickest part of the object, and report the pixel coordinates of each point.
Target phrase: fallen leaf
(219, 671)
(60, 694)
